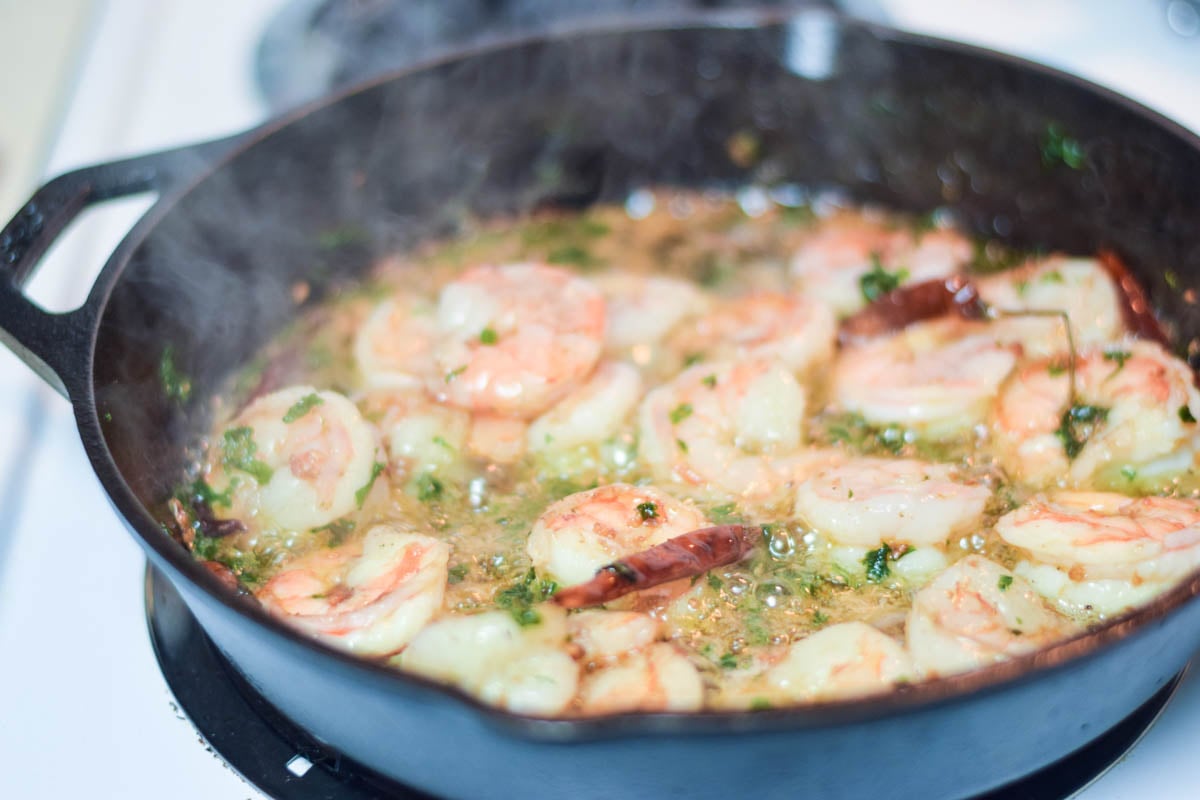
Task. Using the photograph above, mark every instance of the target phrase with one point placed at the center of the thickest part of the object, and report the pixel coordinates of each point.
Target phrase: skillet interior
(889, 119)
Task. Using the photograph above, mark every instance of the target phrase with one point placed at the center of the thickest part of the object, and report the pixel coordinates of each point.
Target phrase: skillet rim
(917, 697)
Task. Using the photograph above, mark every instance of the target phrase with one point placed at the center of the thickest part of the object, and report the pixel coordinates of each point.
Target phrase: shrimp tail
(683, 556)
(902, 307)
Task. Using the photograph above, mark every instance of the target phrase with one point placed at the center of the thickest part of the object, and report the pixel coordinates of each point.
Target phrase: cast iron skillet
(894, 119)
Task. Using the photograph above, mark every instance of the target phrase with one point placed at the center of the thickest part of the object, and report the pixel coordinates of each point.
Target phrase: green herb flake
(710, 381)
(488, 336)
(1172, 279)
(429, 488)
(338, 530)
(1056, 368)
(520, 598)
(760, 704)
(820, 617)
(878, 282)
(1053, 276)
(682, 445)
(202, 491)
(680, 412)
(360, 496)
(1059, 148)
(441, 442)
(239, 451)
(1004, 582)
(1128, 472)
(728, 661)
(1077, 425)
(457, 573)
(714, 582)
(177, 385)
(1119, 356)
(1185, 415)
(572, 255)
(876, 564)
(647, 511)
(454, 373)
(302, 407)
(692, 359)
(726, 512)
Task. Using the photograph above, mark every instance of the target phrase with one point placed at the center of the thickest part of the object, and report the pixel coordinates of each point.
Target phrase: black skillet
(1041, 158)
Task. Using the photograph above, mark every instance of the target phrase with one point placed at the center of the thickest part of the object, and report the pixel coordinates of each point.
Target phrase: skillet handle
(58, 346)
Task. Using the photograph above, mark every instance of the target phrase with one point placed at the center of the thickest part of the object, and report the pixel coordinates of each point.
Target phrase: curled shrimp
(849, 659)
(684, 556)
(394, 347)
(976, 613)
(515, 339)
(419, 434)
(369, 596)
(592, 413)
(869, 501)
(584, 531)
(298, 457)
(937, 378)
(1074, 289)
(795, 330)
(523, 668)
(724, 429)
(833, 262)
(643, 309)
(1128, 424)
(1102, 545)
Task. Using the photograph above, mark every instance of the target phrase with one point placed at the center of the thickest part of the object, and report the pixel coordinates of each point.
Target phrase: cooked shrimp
(836, 259)
(496, 438)
(724, 429)
(937, 378)
(1104, 544)
(655, 678)
(299, 457)
(1078, 287)
(1130, 425)
(844, 660)
(584, 531)
(869, 501)
(976, 613)
(525, 669)
(515, 339)
(369, 596)
(420, 435)
(590, 414)
(394, 347)
(796, 330)
(643, 309)
(604, 636)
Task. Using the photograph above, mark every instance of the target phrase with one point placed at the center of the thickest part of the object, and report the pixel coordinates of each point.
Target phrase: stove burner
(285, 763)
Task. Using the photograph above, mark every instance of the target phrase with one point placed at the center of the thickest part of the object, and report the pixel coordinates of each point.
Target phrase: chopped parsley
(339, 529)
(520, 598)
(488, 336)
(710, 381)
(682, 445)
(820, 617)
(1185, 415)
(878, 282)
(361, 495)
(454, 373)
(680, 412)
(1058, 148)
(1056, 368)
(876, 563)
(728, 661)
(692, 359)
(302, 407)
(760, 704)
(457, 573)
(239, 451)
(429, 488)
(1077, 425)
(1004, 582)
(177, 385)
(1128, 472)
(1053, 276)
(726, 512)
(440, 442)
(715, 582)
(647, 511)
(200, 490)
(1119, 356)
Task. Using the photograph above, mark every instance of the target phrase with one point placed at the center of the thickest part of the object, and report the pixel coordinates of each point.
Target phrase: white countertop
(85, 711)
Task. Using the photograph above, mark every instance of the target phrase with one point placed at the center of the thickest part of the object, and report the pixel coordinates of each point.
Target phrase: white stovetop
(83, 709)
